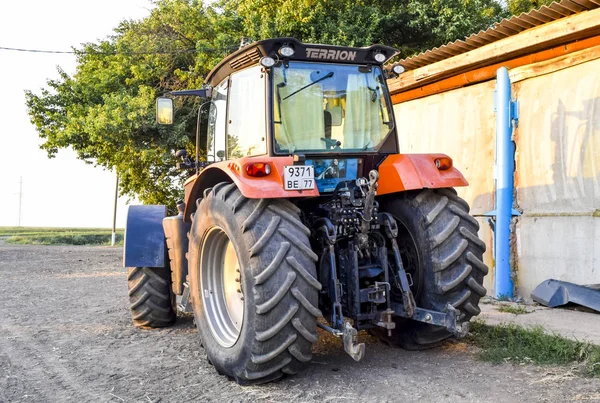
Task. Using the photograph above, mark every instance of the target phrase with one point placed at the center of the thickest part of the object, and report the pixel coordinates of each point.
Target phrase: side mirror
(220, 155)
(164, 111)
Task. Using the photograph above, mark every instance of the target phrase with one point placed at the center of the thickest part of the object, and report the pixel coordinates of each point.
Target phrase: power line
(78, 52)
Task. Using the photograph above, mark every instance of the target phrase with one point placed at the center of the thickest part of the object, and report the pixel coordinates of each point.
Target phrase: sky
(62, 191)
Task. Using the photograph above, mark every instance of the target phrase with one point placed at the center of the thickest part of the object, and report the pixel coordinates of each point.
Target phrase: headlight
(379, 57)
(267, 61)
(286, 51)
(398, 69)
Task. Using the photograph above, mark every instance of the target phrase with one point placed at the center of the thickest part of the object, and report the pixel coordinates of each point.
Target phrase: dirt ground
(66, 335)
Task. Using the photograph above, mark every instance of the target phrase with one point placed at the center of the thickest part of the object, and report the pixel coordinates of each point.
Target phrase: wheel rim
(221, 288)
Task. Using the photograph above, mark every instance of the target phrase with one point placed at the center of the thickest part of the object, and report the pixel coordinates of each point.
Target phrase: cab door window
(246, 127)
(217, 115)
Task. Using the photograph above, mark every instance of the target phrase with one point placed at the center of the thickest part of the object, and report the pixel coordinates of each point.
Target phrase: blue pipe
(506, 117)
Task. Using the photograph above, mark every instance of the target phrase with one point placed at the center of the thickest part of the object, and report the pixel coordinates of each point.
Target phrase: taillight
(443, 163)
(258, 169)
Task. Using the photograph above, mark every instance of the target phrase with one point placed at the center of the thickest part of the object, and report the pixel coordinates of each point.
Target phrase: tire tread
(284, 291)
(150, 296)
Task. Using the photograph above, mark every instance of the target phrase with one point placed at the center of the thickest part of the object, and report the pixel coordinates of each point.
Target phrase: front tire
(274, 275)
(150, 296)
(442, 252)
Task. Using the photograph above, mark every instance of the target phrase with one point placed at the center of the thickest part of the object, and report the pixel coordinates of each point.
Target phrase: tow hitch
(448, 319)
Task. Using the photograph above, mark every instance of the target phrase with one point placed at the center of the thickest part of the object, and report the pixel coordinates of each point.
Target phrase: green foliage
(516, 7)
(411, 25)
(514, 343)
(59, 236)
(105, 110)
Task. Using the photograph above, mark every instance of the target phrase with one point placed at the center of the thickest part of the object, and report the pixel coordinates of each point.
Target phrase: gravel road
(66, 335)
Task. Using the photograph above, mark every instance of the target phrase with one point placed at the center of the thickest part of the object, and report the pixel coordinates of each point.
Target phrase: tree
(410, 25)
(516, 7)
(105, 111)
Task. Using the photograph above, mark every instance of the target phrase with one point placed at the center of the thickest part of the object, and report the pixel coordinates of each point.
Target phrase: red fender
(267, 187)
(400, 172)
(397, 173)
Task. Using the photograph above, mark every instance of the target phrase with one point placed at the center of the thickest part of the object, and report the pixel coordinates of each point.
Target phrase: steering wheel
(329, 143)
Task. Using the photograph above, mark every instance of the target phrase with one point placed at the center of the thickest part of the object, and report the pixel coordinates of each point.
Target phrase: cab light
(379, 57)
(398, 69)
(286, 51)
(267, 61)
(443, 163)
(258, 169)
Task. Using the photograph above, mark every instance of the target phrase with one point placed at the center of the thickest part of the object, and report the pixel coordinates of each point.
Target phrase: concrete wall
(459, 123)
(557, 164)
(558, 176)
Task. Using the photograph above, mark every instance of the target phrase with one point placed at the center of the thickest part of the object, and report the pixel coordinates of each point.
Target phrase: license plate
(299, 177)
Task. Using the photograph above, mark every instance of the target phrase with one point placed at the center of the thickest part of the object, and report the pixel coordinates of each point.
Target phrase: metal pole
(114, 225)
(20, 197)
(506, 116)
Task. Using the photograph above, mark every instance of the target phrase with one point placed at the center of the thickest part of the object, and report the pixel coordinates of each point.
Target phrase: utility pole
(114, 226)
(20, 197)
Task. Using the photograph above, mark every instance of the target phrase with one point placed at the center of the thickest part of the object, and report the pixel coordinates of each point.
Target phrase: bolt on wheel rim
(220, 286)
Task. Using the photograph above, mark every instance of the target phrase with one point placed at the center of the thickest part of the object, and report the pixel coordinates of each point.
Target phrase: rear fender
(401, 172)
(267, 187)
(144, 237)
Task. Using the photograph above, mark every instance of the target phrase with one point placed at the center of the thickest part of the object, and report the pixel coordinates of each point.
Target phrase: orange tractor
(303, 207)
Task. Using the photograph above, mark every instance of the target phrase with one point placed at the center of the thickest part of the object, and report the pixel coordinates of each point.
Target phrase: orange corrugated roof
(503, 29)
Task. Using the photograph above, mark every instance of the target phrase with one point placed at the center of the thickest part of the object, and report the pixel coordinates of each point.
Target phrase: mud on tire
(448, 260)
(278, 279)
(150, 296)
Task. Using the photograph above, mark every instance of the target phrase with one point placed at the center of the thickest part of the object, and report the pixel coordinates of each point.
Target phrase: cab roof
(251, 54)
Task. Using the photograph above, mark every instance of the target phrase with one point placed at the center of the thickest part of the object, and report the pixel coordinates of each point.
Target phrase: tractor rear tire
(150, 297)
(263, 325)
(447, 263)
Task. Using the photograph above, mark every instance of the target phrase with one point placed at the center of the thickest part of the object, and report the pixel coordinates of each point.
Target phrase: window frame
(385, 146)
(215, 92)
(265, 99)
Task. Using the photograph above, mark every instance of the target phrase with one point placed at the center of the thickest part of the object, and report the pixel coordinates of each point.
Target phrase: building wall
(557, 164)
(459, 123)
(558, 176)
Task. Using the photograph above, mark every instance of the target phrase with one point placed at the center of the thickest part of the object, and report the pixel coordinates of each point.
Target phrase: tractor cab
(280, 97)
(312, 99)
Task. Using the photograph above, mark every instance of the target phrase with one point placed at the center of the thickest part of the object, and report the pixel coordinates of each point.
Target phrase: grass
(514, 309)
(509, 342)
(59, 236)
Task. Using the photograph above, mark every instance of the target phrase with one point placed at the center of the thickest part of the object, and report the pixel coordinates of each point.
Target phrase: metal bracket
(514, 113)
(184, 303)
(493, 213)
(327, 233)
(408, 300)
(448, 319)
(377, 293)
(354, 349)
(386, 321)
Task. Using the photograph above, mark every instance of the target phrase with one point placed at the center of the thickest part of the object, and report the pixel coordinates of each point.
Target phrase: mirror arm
(203, 93)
